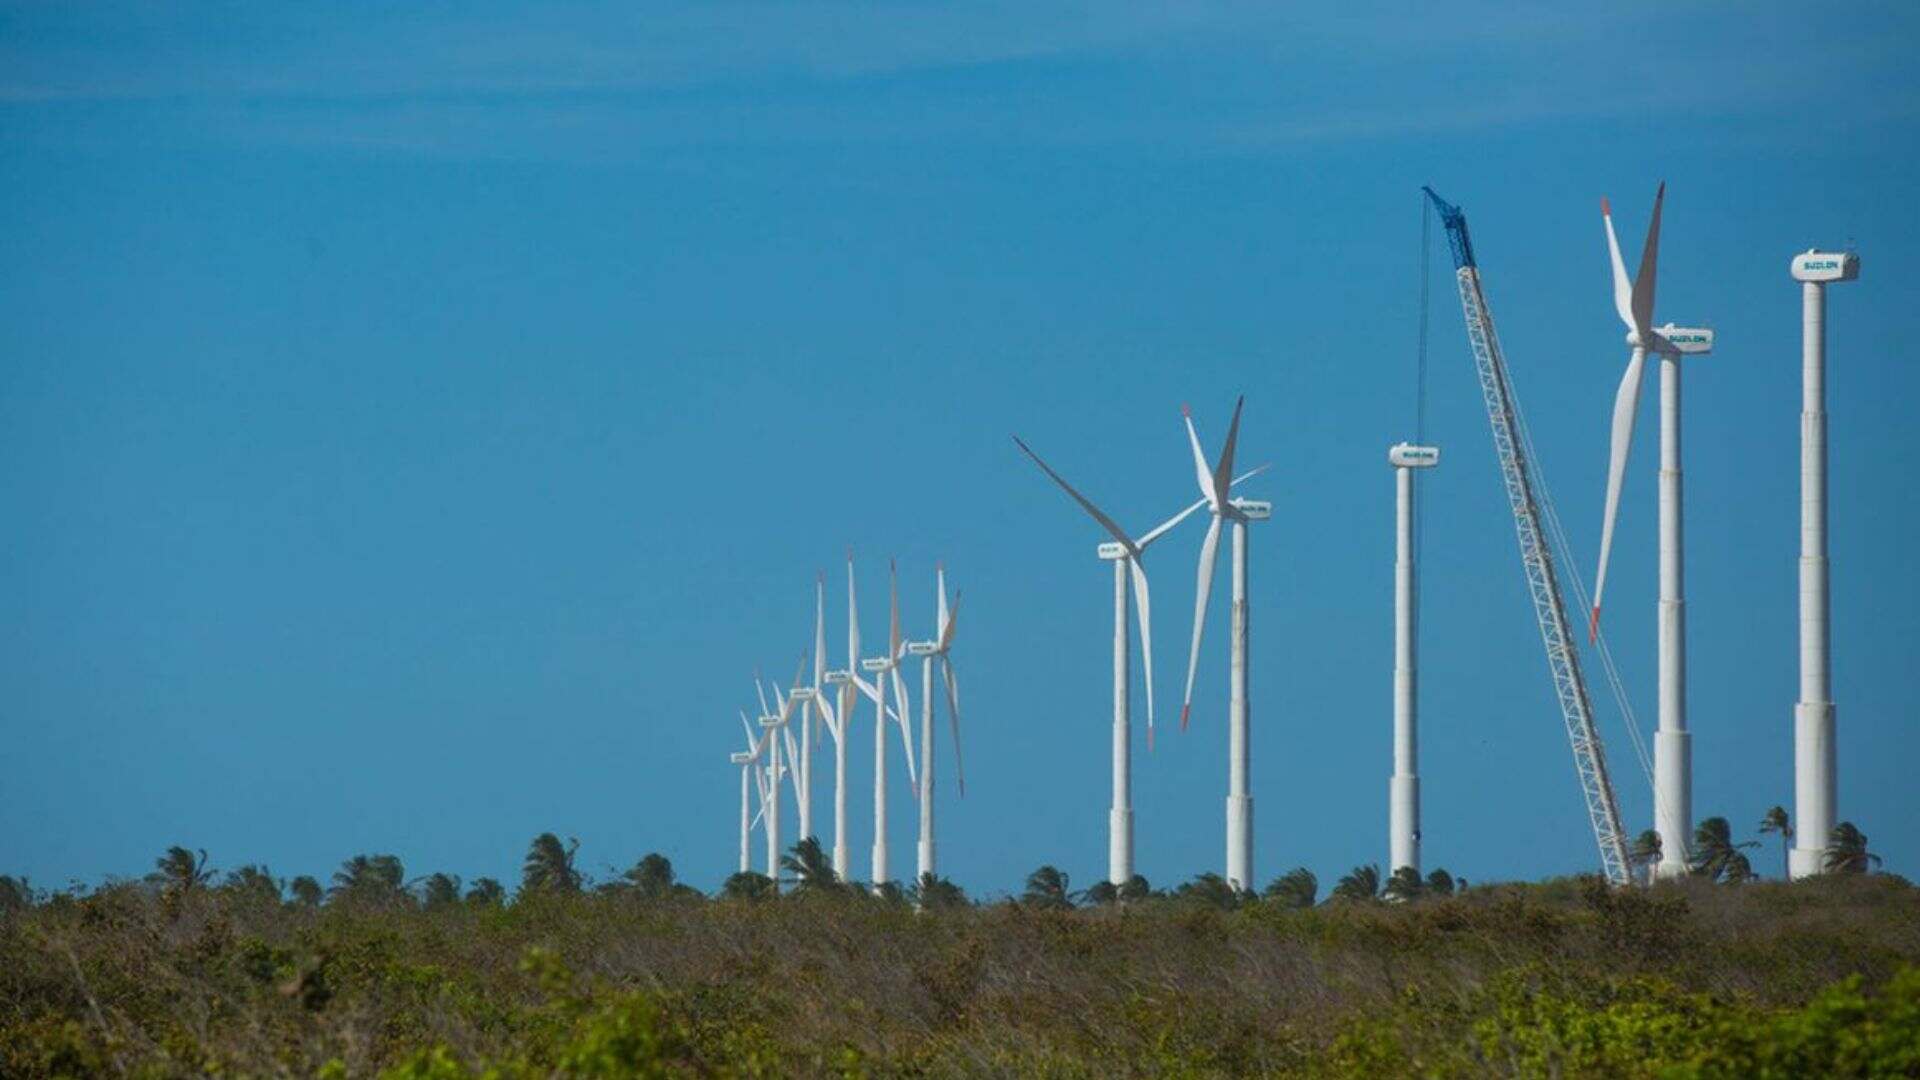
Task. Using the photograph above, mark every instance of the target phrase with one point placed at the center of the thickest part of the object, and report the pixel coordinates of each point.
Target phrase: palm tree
(15, 894)
(1405, 885)
(1047, 888)
(372, 879)
(1211, 890)
(1645, 851)
(747, 885)
(651, 877)
(1847, 851)
(1715, 856)
(1361, 883)
(255, 883)
(812, 870)
(486, 892)
(1776, 822)
(935, 893)
(549, 866)
(305, 891)
(1100, 893)
(1296, 888)
(179, 872)
(1441, 883)
(439, 890)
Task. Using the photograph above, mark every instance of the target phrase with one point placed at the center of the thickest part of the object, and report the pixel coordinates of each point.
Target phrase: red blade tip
(1605, 210)
(1593, 625)
(1185, 711)
(1185, 409)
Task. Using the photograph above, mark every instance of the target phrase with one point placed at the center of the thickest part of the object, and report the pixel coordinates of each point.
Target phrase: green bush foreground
(1563, 978)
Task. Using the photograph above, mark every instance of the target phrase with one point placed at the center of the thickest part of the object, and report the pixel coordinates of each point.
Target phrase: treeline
(549, 867)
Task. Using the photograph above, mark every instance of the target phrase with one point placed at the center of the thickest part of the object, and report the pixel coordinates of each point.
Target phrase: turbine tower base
(1240, 841)
(1672, 810)
(1404, 793)
(1119, 847)
(1814, 792)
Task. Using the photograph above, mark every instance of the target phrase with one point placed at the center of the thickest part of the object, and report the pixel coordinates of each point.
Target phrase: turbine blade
(1155, 533)
(1208, 550)
(760, 691)
(1201, 473)
(893, 590)
(819, 629)
(1223, 472)
(1625, 404)
(1643, 282)
(1622, 288)
(748, 728)
(949, 624)
(953, 721)
(1142, 607)
(901, 713)
(940, 606)
(853, 622)
(1107, 523)
(792, 755)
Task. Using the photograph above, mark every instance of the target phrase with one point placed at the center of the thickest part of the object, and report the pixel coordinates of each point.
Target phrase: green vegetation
(192, 973)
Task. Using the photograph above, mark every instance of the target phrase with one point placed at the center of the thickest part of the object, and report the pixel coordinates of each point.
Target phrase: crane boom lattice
(1536, 558)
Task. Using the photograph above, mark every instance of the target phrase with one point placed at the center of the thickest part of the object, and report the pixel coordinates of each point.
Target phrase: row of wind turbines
(834, 697)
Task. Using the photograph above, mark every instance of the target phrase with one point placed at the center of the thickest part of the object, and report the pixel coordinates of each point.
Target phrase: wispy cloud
(590, 79)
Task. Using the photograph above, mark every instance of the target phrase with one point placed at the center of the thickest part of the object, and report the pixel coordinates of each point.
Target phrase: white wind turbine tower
(1403, 795)
(835, 720)
(1672, 750)
(930, 653)
(1125, 554)
(1214, 487)
(884, 669)
(775, 725)
(771, 728)
(749, 762)
(1815, 796)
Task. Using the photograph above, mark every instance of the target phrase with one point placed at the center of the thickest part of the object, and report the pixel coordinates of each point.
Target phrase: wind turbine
(885, 669)
(775, 724)
(1672, 750)
(834, 719)
(1214, 487)
(1403, 794)
(1125, 554)
(748, 760)
(1815, 797)
(932, 652)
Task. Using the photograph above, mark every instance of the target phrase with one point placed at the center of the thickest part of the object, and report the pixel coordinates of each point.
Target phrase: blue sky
(417, 425)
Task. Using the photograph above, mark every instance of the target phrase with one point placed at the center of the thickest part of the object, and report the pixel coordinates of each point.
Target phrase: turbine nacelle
(740, 757)
(1112, 551)
(1409, 456)
(922, 648)
(837, 678)
(770, 721)
(1252, 509)
(876, 663)
(1685, 341)
(1813, 265)
(802, 693)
